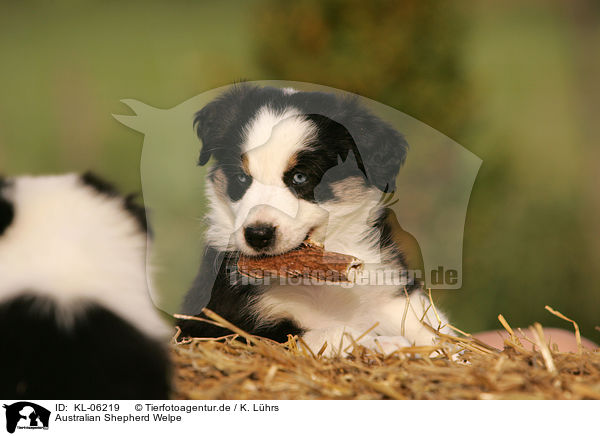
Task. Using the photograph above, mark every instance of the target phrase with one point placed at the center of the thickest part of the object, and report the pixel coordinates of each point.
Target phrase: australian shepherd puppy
(76, 317)
(290, 166)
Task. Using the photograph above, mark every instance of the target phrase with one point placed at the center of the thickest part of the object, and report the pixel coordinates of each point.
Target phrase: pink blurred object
(564, 339)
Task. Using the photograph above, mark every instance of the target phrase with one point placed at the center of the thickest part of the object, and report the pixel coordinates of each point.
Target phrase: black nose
(260, 236)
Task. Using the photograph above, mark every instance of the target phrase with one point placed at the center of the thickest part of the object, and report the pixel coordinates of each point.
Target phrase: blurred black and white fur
(291, 165)
(76, 316)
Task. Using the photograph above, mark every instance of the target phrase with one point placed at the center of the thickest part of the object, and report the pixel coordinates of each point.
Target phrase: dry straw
(257, 368)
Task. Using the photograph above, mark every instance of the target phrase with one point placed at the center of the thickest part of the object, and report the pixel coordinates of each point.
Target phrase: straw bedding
(255, 368)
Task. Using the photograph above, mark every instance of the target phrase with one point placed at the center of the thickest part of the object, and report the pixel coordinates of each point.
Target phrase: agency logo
(26, 416)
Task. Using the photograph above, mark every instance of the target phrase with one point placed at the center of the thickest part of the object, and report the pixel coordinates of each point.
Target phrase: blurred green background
(515, 83)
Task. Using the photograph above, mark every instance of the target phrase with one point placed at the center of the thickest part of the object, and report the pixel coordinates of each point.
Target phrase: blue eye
(299, 179)
(243, 178)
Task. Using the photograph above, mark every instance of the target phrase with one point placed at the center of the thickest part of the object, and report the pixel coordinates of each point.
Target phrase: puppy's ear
(386, 153)
(205, 125)
(382, 148)
(213, 121)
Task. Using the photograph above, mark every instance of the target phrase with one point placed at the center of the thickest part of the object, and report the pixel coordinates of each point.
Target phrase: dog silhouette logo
(26, 415)
(426, 212)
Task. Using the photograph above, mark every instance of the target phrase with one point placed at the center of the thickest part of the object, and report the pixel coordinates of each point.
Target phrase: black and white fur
(76, 317)
(290, 165)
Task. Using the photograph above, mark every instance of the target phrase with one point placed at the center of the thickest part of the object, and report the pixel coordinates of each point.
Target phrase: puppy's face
(281, 172)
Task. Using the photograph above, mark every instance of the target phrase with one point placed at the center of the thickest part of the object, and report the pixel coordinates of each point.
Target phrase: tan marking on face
(245, 165)
(292, 162)
(219, 181)
(352, 187)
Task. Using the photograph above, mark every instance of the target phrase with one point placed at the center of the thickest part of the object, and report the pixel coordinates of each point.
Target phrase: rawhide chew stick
(309, 261)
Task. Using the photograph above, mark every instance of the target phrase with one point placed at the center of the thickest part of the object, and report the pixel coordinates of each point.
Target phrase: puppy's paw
(387, 344)
(338, 341)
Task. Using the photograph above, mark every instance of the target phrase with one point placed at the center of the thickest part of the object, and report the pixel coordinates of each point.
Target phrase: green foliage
(406, 54)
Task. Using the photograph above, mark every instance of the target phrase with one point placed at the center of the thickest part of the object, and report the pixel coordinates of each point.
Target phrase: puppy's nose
(260, 236)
